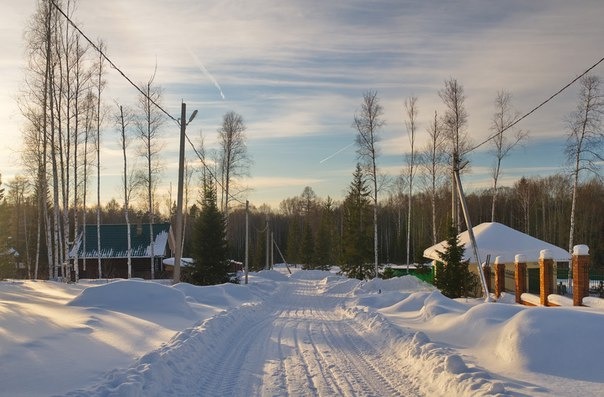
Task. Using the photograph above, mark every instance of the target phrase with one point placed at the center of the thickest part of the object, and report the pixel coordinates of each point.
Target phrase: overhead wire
(113, 65)
(145, 95)
(533, 110)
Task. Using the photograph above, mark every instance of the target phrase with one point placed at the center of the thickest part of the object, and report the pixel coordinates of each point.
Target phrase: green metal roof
(114, 241)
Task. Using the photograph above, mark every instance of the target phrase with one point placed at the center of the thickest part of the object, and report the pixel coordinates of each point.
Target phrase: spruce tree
(453, 277)
(210, 249)
(357, 229)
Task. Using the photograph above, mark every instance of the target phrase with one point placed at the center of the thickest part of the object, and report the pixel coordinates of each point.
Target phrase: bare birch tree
(455, 122)
(502, 144)
(585, 139)
(433, 161)
(411, 125)
(368, 122)
(234, 158)
(123, 120)
(89, 121)
(148, 127)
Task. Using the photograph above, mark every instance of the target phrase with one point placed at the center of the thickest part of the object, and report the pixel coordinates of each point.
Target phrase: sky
(297, 70)
(311, 333)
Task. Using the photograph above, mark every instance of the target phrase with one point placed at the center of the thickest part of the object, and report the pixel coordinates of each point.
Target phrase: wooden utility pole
(247, 238)
(178, 233)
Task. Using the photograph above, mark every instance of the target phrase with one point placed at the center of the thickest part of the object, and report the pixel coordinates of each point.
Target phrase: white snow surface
(312, 333)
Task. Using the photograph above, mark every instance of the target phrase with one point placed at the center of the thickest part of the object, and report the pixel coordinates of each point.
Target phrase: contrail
(336, 153)
(205, 71)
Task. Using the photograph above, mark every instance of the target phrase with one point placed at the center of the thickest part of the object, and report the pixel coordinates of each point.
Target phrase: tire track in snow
(335, 357)
(247, 349)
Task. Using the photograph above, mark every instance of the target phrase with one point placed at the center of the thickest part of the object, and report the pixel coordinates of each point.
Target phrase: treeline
(311, 231)
(314, 232)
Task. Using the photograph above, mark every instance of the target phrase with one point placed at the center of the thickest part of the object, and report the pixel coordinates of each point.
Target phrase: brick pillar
(520, 276)
(546, 276)
(499, 277)
(580, 273)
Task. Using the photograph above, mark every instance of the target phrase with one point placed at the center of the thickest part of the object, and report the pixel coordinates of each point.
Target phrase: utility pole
(178, 233)
(272, 251)
(267, 243)
(466, 213)
(247, 238)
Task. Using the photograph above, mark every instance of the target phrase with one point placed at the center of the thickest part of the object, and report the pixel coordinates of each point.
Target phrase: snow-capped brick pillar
(520, 276)
(499, 277)
(580, 273)
(546, 276)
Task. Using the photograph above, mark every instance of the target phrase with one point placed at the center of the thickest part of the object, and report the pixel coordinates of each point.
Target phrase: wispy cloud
(206, 72)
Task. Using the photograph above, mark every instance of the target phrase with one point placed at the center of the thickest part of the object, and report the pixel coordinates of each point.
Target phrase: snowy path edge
(439, 369)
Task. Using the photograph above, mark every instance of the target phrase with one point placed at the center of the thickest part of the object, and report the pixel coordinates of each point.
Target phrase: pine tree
(357, 230)
(210, 250)
(453, 277)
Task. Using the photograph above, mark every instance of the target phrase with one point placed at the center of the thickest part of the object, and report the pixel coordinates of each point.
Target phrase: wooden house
(113, 250)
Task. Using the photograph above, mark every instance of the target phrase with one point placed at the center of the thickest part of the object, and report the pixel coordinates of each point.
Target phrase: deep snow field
(312, 333)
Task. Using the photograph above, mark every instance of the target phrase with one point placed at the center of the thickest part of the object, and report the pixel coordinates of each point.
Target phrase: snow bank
(159, 372)
(447, 371)
(223, 295)
(596, 303)
(273, 275)
(478, 323)
(436, 304)
(386, 299)
(134, 297)
(311, 275)
(553, 341)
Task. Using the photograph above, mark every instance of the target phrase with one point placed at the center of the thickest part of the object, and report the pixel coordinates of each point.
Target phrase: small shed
(114, 250)
(496, 239)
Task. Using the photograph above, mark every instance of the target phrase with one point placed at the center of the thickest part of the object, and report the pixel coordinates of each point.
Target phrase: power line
(536, 107)
(100, 51)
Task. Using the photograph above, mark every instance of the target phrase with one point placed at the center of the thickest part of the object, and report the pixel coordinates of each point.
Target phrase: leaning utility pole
(466, 214)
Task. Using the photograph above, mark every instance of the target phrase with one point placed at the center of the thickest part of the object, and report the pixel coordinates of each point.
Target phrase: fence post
(580, 273)
(546, 276)
(499, 276)
(520, 276)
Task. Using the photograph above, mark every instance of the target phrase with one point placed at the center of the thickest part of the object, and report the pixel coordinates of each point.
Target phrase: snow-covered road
(313, 333)
(297, 342)
(306, 346)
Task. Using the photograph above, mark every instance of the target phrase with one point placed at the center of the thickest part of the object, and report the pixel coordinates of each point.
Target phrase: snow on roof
(114, 241)
(499, 240)
(183, 261)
